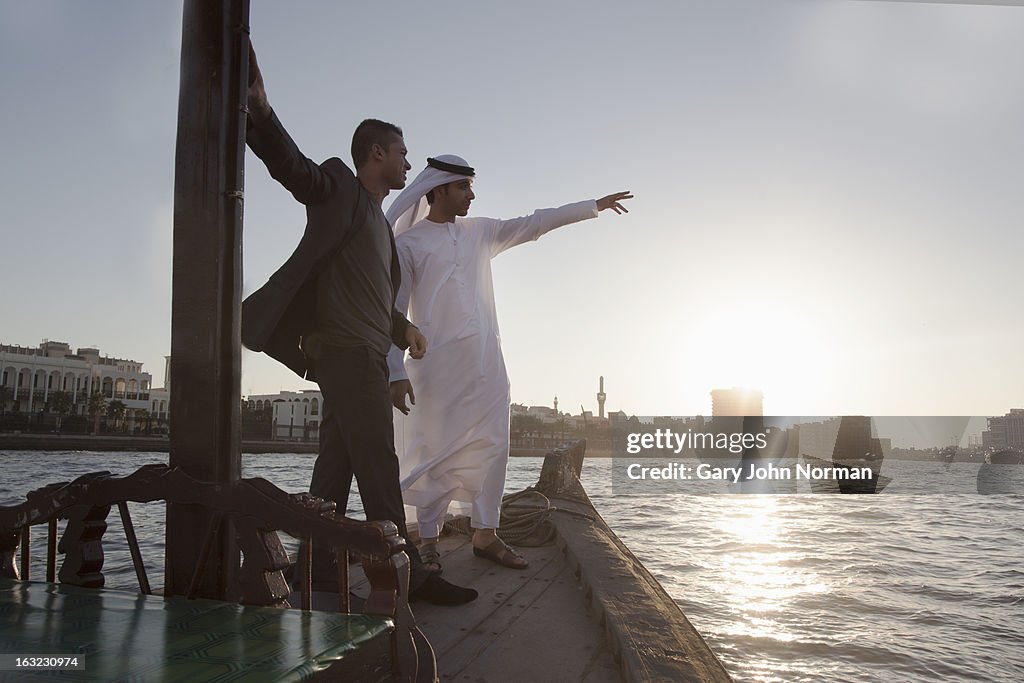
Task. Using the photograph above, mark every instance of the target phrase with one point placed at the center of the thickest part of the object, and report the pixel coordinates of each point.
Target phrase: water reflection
(763, 577)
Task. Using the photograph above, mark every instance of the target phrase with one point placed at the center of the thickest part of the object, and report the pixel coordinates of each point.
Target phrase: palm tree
(97, 407)
(526, 425)
(59, 402)
(561, 422)
(142, 418)
(116, 410)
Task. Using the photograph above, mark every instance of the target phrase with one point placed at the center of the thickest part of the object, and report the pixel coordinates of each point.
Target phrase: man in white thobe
(457, 437)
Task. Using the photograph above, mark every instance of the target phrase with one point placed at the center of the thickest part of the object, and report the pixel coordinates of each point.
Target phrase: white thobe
(456, 436)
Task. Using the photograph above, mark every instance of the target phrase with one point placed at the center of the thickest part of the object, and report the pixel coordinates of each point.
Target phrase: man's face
(457, 196)
(395, 164)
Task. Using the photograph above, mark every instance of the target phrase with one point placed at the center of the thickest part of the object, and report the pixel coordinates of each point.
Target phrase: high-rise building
(737, 402)
(1005, 431)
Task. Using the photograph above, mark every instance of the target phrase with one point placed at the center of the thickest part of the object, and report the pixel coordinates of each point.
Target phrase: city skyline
(824, 191)
(38, 373)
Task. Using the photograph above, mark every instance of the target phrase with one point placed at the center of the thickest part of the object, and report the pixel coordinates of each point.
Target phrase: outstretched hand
(612, 202)
(256, 96)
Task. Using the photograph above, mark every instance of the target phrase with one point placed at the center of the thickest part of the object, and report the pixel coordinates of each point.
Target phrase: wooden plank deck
(527, 624)
(586, 609)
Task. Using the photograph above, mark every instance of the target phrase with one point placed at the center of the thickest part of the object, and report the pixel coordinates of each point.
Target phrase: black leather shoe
(437, 591)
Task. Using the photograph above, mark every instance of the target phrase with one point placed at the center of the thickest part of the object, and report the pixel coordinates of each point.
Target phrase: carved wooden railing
(256, 509)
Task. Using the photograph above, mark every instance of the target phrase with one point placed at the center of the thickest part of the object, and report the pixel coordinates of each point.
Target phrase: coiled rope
(522, 523)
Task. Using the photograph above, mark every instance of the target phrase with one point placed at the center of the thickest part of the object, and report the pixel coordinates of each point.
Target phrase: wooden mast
(207, 283)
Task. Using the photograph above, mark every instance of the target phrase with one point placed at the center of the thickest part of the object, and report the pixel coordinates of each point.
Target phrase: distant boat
(854, 449)
(842, 480)
(1007, 456)
(1002, 472)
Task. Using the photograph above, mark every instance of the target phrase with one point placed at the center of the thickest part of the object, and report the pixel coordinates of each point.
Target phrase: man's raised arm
(505, 234)
(268, 139)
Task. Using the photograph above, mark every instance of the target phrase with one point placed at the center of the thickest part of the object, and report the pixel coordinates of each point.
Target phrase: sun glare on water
(765, 577)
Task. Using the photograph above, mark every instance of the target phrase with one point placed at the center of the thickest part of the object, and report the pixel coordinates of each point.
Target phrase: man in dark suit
(328, 314)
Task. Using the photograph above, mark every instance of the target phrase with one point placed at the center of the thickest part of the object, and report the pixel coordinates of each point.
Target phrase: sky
(827, 207)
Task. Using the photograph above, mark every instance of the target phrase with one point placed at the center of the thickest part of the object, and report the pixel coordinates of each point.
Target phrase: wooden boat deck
(527, 625)
(586, 609)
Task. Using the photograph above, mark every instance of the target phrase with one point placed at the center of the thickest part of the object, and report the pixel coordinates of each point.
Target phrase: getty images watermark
(838, 454)
(753, 472)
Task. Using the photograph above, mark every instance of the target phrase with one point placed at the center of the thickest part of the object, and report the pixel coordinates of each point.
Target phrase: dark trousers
(357, 439)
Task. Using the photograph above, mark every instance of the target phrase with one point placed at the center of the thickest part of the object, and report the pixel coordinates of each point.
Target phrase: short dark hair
(369, 133)
(430, 195)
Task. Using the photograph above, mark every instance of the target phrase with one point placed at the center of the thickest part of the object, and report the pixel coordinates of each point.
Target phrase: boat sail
(854, 452)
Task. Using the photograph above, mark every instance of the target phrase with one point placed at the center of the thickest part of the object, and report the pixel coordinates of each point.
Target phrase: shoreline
(162, 444)
(29, 441)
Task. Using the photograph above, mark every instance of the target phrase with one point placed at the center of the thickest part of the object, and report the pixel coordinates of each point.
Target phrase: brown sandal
(431, 558)
(498, 551)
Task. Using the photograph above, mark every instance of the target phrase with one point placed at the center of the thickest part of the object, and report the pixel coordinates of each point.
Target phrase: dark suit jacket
(277, 315)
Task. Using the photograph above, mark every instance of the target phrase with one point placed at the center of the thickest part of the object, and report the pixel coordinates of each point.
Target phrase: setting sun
(779, 352)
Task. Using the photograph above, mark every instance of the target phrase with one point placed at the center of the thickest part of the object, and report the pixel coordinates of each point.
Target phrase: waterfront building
(1005, 431)
(160, 399)
(545, 414)
(295, 414)
(160, 402)
(33, 374)
(541, 427)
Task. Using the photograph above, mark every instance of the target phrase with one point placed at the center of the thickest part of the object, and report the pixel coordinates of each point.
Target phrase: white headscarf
(410, 206)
